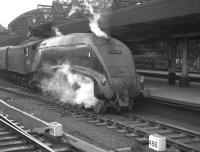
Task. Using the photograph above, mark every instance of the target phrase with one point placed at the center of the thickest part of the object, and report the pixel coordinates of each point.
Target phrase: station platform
(194, 76)
(158, 89)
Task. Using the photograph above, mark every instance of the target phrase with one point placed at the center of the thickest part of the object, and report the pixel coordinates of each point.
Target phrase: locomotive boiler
(108, 62)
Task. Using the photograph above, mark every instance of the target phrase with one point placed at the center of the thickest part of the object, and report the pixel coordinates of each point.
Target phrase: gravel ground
(99, 136)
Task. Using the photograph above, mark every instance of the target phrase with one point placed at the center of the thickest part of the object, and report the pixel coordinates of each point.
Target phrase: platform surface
(159, 89)
(195, 75)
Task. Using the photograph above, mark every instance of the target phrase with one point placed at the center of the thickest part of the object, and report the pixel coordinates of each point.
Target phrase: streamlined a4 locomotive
(108, 62)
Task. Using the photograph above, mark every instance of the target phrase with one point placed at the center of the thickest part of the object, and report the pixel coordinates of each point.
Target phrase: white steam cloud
(70, 87)
(96, 10)
(94, 26)
(57, 31)
(74, 10)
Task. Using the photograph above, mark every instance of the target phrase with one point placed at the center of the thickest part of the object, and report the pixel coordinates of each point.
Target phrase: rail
(22, 134)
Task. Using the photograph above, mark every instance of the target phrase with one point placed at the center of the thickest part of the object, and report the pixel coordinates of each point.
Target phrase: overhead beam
(148, 12)
(155, 10)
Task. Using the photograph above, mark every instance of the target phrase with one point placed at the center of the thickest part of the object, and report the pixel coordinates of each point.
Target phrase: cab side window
(85, 57)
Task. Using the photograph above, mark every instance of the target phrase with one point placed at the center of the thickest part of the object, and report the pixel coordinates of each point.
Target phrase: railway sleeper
(101, 124)
(23, 148)
(152, 128)
(164, 131)
(176, 136)
(4, 133)
(111, 127)
(122, 130)
(7, 138)
(142, 140)
(141, 124)
(132, 134)
(9, 143)
(194, 140)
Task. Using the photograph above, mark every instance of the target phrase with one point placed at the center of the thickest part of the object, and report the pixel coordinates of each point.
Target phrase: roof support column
(184, 78)
(172, 62)
(198, 55)
(198, 63)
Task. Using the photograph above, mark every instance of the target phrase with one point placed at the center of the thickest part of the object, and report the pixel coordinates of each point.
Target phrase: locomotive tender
(108, 62)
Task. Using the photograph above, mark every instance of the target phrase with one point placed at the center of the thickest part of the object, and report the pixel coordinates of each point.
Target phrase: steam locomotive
(108, 62)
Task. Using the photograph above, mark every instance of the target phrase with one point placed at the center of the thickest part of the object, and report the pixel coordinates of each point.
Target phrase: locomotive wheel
(99, 107)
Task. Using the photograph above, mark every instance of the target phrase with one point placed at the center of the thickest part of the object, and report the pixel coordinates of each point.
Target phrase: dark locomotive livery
(108, 62)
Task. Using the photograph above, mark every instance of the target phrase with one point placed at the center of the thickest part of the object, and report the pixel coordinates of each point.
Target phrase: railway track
(177, 137)
(139, 128)
(15, 139)
(133, 126)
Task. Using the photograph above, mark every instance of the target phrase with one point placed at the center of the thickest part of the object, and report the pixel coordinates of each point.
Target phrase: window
(84, 56)
(26, 53)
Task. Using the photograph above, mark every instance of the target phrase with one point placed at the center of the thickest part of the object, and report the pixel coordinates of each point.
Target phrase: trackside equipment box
(157, 142)
(56, 129)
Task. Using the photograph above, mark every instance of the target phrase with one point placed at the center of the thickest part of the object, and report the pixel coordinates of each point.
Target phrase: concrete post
(198, 63)
(198, 54)
(184, 78)
(172, 62)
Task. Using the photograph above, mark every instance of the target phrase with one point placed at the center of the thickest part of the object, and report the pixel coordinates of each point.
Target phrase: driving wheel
(99, 107)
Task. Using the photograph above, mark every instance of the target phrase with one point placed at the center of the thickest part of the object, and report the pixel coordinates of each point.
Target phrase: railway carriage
(3, 60)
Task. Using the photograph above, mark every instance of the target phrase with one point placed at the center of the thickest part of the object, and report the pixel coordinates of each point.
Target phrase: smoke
(94, 26)
(95, 12)
(57, 31)
(69, 87)
(73, 10)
